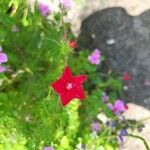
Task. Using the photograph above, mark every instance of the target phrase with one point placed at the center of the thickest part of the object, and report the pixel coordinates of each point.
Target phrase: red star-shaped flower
(69, 86)
(127, 76)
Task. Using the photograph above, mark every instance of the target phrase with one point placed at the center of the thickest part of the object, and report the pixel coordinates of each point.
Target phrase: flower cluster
(3, 59)
(68, 4)
(118, 107)
(95, 57)
(46, 7)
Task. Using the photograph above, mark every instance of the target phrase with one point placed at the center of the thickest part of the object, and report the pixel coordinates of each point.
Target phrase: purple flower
(118, 107)
(45, 7)
(2, 69)
(68, 4)
(95, 57)
(3, 58)
(48, 148)
(95, 126)
(105, 98)
(122, 134)
(111, 124)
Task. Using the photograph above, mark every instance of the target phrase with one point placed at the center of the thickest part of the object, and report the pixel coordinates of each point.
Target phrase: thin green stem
(109, 134)
(142, 139)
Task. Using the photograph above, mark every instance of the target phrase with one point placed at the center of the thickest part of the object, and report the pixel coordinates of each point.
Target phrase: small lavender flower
(68, 4)
(118, 107)
(48, 148)
(45, 7)
(122, 134)
(105, 98)
(111, 124)
(2, 69)
(95, 57)
(95, 127)
(3, 58)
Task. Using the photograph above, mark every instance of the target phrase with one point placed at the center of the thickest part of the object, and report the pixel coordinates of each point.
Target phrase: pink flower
(3, 58)
(45, 7)
(48, 148)
(105, 98)
(68, 4)
(95, 57)
(118, 107)
(2, 69)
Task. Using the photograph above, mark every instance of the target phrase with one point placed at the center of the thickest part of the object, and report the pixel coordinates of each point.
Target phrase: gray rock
(125, 40)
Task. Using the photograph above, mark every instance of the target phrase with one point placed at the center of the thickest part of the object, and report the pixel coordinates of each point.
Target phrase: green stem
(109, 134)
(139, 122)
(145, 119)
(141, 138)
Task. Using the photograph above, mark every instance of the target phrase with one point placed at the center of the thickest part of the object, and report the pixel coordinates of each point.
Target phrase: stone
(125, 41)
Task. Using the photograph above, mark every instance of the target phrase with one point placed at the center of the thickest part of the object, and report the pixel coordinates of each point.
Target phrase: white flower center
(69, 86)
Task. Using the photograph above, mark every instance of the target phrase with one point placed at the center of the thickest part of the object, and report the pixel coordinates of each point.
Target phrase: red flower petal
(58, 86)
(69, 87)
(79, 79)
(79, 93)
(66, 98)
(67, 74)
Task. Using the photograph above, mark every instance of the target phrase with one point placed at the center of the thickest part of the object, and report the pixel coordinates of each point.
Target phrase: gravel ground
(134, 7)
